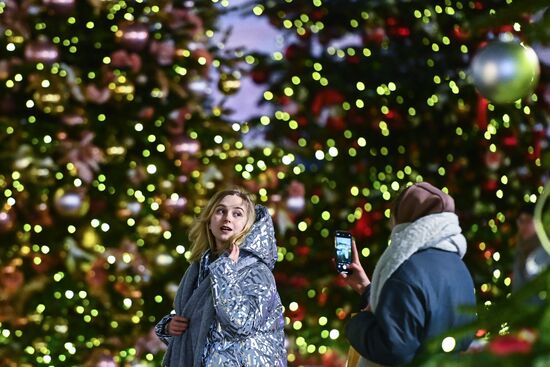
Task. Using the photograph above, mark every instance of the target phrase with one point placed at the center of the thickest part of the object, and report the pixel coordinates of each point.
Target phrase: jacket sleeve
(160, 329)
(393, 334)
(241, 301)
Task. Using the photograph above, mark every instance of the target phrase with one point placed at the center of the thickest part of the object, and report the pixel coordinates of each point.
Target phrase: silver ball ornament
(70, 203)
(505, 70)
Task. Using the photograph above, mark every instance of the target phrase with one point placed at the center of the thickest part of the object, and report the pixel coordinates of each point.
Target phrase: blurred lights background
(119, 119)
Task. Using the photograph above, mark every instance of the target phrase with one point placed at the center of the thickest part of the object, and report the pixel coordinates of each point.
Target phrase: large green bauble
(505, 70)
(542, 218)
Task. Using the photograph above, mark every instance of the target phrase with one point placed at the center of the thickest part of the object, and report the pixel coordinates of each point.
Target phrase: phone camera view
(343, 253)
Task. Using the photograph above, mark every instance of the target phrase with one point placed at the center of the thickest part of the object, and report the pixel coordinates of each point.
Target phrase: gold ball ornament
(150, 228)
(229, 83)
(51, 96)
(90, 238)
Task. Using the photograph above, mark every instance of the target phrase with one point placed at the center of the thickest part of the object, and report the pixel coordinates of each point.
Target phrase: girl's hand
(234, 253)
(177, 325)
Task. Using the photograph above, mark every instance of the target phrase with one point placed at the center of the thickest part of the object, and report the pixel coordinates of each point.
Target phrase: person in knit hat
(420, 285)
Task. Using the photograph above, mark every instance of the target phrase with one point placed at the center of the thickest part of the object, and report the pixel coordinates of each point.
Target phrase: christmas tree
(110, 147)
(111, 144)
(371, 96)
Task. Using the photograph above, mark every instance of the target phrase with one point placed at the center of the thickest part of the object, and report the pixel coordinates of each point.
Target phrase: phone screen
(342, 245)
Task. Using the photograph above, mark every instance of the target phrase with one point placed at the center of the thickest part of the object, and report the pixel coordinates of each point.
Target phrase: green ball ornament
(542, 217)
(505, 70)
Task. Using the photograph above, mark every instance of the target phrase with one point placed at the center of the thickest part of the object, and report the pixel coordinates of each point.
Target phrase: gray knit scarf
(195, 303)
(441, 231)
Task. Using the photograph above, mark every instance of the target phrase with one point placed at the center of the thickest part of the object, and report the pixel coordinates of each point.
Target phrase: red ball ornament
(133, 36)
(7, 221)
(493, 160)
(41, 51)
(11, 280)
(259, 75)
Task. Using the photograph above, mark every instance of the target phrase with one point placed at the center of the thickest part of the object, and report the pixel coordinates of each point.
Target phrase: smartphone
(342, 246)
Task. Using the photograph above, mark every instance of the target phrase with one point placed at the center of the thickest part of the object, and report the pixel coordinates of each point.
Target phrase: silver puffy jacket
(248, 328)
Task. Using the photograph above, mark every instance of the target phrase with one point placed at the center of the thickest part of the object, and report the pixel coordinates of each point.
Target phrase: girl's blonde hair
(200, 235)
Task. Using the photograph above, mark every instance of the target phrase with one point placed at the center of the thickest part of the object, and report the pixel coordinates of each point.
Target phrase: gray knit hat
(419, 200)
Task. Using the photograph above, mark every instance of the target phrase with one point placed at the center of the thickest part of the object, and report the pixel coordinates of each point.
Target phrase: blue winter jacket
(418, 302)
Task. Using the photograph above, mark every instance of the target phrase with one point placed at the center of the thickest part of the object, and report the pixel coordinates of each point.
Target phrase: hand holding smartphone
(343, 251)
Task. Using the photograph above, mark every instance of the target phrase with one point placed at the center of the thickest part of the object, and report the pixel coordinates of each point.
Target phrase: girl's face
(228, 220)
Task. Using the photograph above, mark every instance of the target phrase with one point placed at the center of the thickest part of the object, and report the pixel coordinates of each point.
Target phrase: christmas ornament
(493, 160)
(96, 94)
(50, 94)
(229, 83)
(41, 50)
(203, 57)
(123, 59)
(123, 89)
(7, 220)
(164, 51)
(505, 70)
(61, 7)
(150, 228)
(296, 197)
(71, 203)
(41, 171)
(133, 36)
(41, 215)
(539, 218)
(75, 117)
(174, 206)
(42, 263)
(5, 70)
(97, 276)
(185, 146)
(11, 280)
(83, 155)
(90, 238)
(184, 19)
(128, 209)
(259, 74)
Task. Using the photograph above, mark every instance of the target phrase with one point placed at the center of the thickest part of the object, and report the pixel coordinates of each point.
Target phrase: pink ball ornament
(41, 51)
(505, 70)
(174, 206)
(60, 7)
(133, 36)
(183, 145)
